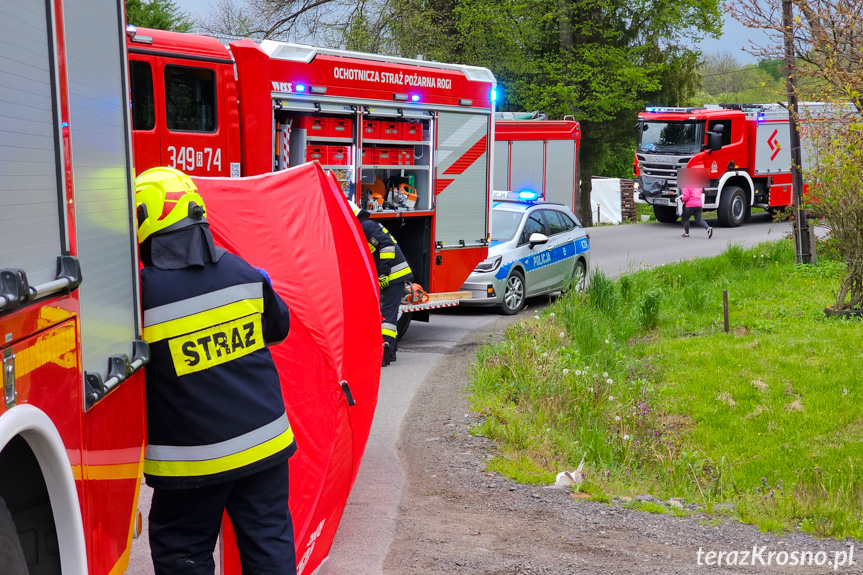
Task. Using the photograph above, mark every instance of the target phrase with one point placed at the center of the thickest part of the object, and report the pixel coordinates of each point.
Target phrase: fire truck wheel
(513, 294)
(403, 324)
(11, 554)
(732, 207)
(665, 214)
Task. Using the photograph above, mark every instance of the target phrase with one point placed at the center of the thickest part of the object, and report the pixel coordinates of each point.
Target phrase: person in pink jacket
(692, 206)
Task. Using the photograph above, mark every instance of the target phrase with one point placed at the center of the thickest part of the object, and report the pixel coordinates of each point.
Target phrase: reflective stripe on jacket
(389, 329)
(389, 259)
(214, 400)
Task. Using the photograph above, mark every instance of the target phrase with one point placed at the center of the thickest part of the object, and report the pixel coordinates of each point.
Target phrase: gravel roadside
(457, 518)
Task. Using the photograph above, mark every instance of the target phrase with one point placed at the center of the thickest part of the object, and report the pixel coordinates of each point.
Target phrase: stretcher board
(404, 308)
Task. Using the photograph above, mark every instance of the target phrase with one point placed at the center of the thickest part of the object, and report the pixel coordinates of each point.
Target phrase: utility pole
(803, 248)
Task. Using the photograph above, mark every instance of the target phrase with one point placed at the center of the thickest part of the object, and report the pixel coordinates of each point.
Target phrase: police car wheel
(579, 277)
(513, 294)
(11, 554)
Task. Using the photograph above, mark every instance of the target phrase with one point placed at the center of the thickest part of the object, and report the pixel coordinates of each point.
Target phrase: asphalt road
(369, 523)
(617, 249)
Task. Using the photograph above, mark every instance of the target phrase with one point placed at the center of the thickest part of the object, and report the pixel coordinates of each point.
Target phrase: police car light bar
(524, 196)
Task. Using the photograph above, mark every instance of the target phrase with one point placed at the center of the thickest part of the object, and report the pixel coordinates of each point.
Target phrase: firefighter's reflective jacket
(214, 402)
(389, 259)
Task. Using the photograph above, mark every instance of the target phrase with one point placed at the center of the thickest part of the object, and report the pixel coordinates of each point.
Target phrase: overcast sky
(735, 36)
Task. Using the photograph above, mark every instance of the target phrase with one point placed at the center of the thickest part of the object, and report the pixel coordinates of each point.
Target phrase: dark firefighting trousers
(391, 299)
(184, 525)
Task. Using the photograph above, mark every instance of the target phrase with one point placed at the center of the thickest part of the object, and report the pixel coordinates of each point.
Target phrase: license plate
(662, 202)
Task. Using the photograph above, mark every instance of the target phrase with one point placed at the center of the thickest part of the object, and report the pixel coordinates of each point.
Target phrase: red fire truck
(538, 155)
(745, 149)
(408, 138)
(72, 419)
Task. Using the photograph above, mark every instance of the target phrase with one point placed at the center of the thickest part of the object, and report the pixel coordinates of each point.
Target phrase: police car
(536, 248)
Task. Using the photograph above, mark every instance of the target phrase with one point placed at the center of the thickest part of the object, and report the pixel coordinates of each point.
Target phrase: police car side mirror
(537, 239)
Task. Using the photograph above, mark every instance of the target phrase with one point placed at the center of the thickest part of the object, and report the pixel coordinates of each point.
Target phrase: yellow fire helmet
(167, 200)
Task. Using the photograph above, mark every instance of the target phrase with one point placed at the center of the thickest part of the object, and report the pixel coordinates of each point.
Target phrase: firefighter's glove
(383, 281)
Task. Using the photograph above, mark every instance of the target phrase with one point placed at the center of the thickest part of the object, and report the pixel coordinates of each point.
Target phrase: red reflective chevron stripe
(440, 185)
(459, 166)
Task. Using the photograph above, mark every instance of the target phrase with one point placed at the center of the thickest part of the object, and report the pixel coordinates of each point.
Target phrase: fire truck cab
(408, 139)
(72, 419)
(744, 149)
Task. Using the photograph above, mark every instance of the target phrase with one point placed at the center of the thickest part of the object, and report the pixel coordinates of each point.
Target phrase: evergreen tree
(160, 14)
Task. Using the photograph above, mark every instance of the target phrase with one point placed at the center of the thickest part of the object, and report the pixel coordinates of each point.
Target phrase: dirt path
(457, 518)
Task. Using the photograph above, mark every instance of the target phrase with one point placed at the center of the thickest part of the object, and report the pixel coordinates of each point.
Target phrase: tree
(597, 60)
(828, 37)
(326, 22)
(828, 42)
(724, 80)
(836, 197)
(160, 14)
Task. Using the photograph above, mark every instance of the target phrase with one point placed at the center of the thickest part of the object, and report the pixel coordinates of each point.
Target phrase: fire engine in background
(408, 139)
(72, 423)
(745, 149)
(535, 154)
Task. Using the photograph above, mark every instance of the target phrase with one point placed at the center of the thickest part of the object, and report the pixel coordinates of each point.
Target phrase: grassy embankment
(638, 374)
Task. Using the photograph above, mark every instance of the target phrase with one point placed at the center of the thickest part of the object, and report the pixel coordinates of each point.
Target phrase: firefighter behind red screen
(219, 437)
(393, 271)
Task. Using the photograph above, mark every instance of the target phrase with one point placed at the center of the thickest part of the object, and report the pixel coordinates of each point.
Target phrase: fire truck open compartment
(384, 149)
(380, 149)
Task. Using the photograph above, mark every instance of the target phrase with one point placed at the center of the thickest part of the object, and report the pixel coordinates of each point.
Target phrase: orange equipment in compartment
(406, 197)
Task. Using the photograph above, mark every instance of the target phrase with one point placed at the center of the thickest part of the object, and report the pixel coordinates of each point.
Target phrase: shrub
(835, 195)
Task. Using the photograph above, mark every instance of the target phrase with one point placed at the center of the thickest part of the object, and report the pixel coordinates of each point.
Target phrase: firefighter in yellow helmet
(219, 437)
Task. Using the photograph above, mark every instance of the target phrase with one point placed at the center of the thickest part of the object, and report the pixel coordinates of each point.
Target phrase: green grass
(521, 469)
(644, 209)
(638, 374)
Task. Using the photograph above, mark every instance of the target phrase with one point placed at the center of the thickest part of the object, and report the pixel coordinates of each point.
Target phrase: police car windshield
(504, 224)
(671, 137)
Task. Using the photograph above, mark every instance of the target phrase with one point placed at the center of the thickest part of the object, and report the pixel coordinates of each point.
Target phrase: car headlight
(488, 265)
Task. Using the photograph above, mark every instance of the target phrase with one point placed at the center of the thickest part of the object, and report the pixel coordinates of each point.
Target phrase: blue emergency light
(492, 95)
(415, 98)
(528, 195)
(300, 88)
